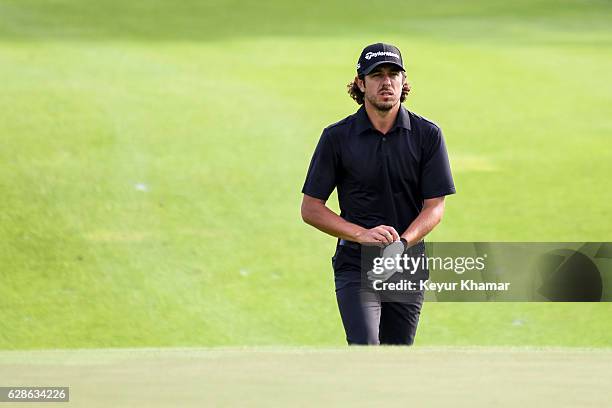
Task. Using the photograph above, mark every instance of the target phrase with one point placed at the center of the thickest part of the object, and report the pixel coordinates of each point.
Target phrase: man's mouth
(386, 93)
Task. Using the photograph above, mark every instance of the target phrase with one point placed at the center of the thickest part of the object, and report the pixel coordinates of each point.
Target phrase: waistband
(350, 244)
(355, 245)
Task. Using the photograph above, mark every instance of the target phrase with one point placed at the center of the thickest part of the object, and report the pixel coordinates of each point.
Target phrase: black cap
(377, 54)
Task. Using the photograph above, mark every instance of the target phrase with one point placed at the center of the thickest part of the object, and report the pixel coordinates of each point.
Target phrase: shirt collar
(363, 123)
(403, 119)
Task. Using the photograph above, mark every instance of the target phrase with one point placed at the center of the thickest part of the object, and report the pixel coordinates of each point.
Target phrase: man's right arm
(317, 214)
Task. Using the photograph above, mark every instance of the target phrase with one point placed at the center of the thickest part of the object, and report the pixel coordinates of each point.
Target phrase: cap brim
(371, 67)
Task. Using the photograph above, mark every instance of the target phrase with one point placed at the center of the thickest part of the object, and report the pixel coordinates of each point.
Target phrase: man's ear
(360, 84)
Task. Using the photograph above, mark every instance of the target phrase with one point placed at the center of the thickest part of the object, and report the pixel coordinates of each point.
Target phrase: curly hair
(357, 95)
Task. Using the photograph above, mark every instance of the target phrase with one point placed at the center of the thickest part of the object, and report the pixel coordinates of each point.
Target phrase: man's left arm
(426, 221)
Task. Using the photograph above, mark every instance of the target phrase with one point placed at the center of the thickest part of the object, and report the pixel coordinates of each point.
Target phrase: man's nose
(386, 79)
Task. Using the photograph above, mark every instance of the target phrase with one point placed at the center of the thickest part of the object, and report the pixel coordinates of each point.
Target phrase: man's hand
(316, 213)
(382, 234)
(391, 251)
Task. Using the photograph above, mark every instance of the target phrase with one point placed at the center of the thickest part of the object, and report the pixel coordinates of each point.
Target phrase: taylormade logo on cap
(377, 54)
(370, 55)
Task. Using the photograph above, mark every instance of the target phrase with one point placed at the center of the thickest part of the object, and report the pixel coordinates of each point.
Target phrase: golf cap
(376, 54)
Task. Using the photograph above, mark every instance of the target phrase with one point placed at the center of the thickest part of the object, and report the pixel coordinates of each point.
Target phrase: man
(391, 170)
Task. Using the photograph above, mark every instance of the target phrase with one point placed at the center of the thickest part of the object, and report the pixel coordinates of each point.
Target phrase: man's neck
(382, 120)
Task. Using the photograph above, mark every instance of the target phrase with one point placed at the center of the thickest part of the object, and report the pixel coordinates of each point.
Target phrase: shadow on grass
(190, 20)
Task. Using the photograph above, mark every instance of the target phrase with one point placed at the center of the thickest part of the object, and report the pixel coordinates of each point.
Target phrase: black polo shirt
(381, 179)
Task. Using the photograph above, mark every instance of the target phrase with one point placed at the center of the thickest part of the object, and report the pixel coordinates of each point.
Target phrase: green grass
(303, 377)
(214, 111)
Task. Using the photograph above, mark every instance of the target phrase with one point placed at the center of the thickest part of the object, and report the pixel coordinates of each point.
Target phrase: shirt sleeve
(436, 177)
(322, 173)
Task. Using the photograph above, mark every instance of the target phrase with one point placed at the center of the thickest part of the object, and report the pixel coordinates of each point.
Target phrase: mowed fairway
(153, 155)
(303, 377)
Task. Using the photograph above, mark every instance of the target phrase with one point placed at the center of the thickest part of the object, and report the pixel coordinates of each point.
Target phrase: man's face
(383, 86)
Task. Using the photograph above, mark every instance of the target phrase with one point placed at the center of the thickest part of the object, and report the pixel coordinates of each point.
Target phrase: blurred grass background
(153, 154)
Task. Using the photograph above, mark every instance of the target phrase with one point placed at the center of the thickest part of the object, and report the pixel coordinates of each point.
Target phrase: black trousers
(366, 318)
